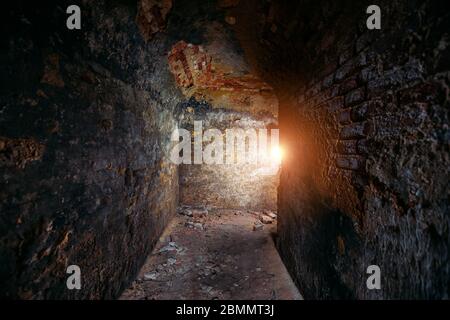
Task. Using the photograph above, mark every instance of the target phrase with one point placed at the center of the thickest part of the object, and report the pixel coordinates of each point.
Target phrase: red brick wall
(363, 118)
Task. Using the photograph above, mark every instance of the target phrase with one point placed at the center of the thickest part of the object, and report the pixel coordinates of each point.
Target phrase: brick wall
(363, 118)
(375, 128)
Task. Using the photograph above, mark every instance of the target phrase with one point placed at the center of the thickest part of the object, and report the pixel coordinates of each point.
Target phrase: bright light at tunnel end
(277, 154)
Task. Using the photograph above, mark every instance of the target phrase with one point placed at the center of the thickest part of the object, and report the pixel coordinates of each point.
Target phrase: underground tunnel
(224, 149)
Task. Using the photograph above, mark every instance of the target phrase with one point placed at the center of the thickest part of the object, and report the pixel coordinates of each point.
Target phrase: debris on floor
(194, 225)
(258, 226)
(226, 260)
(150, 276)
(271, 214)
(171, 246)
(265, 219)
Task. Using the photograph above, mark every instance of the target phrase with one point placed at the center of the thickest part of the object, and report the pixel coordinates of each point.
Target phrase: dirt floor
(215, 254)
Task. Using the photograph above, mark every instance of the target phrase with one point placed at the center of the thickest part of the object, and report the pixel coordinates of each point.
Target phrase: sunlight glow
(277, 154)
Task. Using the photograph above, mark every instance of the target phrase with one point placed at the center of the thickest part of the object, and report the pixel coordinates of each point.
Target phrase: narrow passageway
(140, 146)
(215, 254)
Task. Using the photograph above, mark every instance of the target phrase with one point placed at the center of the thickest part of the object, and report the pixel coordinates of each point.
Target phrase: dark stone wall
(85, 124)
(363, 118)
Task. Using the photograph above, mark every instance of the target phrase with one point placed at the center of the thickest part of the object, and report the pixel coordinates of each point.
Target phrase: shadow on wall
(323, 234)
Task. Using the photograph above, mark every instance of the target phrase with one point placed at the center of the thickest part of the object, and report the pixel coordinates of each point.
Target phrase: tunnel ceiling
(213, 69)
